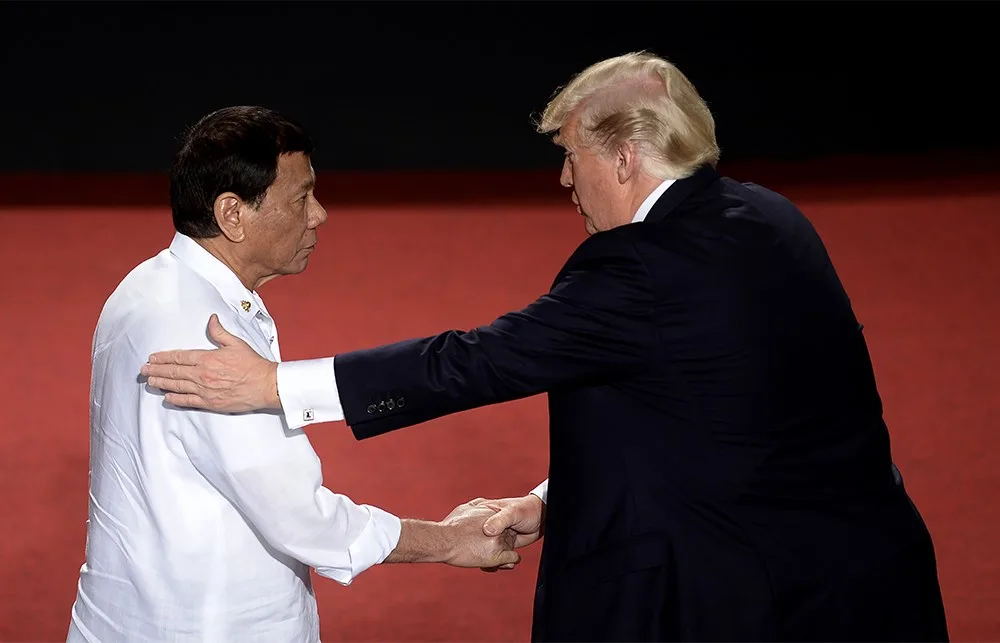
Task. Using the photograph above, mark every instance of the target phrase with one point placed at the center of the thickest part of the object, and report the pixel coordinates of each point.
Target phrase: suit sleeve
(592, 326)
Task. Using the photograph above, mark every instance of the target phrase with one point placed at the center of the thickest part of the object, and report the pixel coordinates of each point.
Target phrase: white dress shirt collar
(245, 302)
(647, 205)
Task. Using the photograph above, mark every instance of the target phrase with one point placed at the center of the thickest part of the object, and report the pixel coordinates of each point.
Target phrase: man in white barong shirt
(203, 526)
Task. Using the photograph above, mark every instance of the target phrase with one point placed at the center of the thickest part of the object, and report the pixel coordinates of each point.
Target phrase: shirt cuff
(376, 542)
(542, 491)
(308, 392)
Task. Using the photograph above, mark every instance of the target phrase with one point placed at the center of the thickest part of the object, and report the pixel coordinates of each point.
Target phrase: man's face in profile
(282, 231)
(591, 174)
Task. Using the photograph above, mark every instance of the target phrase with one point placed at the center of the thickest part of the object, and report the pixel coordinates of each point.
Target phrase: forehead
(294, 171)
(567, 134)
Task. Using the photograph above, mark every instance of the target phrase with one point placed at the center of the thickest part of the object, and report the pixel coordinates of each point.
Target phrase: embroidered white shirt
(203, 526)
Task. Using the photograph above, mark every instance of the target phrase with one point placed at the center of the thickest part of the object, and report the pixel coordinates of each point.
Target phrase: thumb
(498, 522)
(218, 334)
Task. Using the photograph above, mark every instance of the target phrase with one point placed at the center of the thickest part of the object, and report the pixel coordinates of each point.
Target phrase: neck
(644, 186)
(224, 251)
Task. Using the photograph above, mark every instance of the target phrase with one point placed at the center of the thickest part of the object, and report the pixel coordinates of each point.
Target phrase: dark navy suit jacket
(719, 466)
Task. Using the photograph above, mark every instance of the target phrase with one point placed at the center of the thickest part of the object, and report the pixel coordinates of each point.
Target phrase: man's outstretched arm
(592, 326)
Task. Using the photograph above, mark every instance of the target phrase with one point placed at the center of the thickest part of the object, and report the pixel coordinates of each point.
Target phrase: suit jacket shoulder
(602, 251)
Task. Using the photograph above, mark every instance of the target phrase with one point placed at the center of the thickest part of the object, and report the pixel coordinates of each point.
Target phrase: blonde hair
(639, 98)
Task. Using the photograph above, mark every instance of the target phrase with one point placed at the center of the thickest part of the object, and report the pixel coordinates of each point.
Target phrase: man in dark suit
(719, 467)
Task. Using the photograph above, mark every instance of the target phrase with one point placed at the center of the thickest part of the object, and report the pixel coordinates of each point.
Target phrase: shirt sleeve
(308, 392)
(272, 475)
(542, 491)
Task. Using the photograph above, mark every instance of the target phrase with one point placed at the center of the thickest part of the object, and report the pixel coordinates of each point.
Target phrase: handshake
(479, 533)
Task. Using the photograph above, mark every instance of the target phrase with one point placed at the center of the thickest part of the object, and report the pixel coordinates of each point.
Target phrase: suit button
(371, 409)
(391, 404)
(381, 406)
(400, 402)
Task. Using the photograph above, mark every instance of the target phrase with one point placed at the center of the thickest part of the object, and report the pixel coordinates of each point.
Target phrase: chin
(297, 267)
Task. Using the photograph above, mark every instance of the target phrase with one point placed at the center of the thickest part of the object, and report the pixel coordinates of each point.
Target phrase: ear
(228, 210)
(627, 162)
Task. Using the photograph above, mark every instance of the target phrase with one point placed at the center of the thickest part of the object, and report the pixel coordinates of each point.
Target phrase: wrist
(274, 398)
(423, 541)
(538, 505)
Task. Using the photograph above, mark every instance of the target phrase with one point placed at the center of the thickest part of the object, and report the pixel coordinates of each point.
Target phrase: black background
(453, 85)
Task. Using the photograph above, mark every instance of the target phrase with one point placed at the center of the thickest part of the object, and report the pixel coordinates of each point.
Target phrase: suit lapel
(681, 190)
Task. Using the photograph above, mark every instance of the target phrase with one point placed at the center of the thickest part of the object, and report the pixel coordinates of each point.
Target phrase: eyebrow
(306, 185)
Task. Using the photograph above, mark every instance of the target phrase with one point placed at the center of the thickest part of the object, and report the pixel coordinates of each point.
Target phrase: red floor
(921, 262)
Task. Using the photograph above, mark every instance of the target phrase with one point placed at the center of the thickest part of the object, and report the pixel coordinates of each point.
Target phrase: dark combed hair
(236, 150)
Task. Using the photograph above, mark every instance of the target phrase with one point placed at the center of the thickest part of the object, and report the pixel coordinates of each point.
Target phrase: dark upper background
(453, 85)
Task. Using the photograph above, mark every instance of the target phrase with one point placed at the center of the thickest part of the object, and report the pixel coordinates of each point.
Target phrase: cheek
(590, 178)
(582, 182)
(593, 187)
(282, 236)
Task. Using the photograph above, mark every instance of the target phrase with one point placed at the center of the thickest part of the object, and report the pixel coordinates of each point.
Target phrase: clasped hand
(491, 531)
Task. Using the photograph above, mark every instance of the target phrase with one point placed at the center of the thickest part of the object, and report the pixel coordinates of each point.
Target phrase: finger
(175, 372)
(171, 385)
(185, 357)
(523, 540)
(477, 501)
(510, 566)
(157, 370)
(499, 521)
(507, 557)
(188, 401)
(220, 335)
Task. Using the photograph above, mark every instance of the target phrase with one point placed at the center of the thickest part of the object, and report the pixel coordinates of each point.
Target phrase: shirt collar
(647, 205)
(244, 301)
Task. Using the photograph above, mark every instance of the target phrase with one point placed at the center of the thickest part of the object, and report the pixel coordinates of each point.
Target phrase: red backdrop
(920, 259)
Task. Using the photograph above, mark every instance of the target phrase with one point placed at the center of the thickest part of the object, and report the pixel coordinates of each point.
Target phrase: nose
(318, 215)
(566, 178)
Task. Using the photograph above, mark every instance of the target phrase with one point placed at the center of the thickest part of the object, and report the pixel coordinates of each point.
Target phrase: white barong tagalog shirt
(203, 526)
